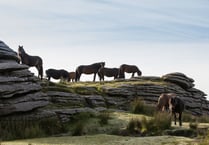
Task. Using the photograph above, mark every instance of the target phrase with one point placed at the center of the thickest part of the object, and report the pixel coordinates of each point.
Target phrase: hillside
(21, 92)
(26, 101)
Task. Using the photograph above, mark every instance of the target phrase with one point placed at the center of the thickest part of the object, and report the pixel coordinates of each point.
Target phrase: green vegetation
(21, 129)
(84, 128)
(103, 139)
(139, 107)
(205, 140)
(104, 117)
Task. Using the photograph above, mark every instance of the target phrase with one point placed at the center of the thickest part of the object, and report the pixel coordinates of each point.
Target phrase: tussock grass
(137, 106)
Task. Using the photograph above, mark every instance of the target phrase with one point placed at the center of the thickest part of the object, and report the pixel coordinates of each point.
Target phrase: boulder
(179, 79)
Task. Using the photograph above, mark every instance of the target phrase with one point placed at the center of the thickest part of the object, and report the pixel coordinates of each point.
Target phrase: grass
(103, 139)
(137, 106)
(97, 133)
(96, 87)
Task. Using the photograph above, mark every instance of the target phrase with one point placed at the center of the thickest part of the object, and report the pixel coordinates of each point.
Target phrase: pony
(128, 69)
(88, 69)
(57, 74)
(72, 76)
(31, 61)
(176, 106)
(109, 72)
(163, 101)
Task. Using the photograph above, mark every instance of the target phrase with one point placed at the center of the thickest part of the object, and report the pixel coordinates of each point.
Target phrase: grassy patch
(138, 106)
(19, 129)
(103, 139)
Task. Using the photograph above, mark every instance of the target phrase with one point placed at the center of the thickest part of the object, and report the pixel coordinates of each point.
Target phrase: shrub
(139, 107)
(155, 126)
(79, 121)
(78, 129)
(203, 119)
(134, 126)
(205, 141)
(186, 117)
(193, 125)
(51, 126)
(103, 118)
(24, 128)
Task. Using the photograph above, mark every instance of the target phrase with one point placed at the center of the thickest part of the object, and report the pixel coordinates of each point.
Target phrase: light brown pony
(72, 76)
(128, 69)
(31, 61)
(163, 101)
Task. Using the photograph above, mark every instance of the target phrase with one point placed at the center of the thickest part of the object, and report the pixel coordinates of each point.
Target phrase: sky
(159, 36)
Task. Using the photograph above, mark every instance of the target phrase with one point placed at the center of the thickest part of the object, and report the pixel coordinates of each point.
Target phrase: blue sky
(159, 36)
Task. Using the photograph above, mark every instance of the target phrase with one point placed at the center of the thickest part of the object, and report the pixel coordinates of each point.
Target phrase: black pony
(109, 72)
(31, 61)
(57, 74)
(176, 105)
(128, 69)
(88, 69)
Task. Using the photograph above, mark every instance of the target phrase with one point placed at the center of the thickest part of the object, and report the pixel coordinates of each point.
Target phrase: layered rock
(20, 91)
(22, 95)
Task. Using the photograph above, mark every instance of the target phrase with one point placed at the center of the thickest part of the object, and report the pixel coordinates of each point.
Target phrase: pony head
(173, 102)
(20, 49)
(102, 64)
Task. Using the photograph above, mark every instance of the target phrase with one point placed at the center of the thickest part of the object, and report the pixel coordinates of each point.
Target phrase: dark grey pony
(88, 69)
(57, 74)
(128, 69)
(176, 105)
(108, 72)
(31, 61)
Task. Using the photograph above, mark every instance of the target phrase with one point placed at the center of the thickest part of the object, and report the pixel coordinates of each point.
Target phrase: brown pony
(88, 69)
(72, 76)
(176, 105)
(31, 61)
(128, 69)
(109, 72)
(163, 101)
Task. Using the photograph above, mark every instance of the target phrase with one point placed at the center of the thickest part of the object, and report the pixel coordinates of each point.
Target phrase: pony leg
(174, 118)
(40, 71)
(94, 77)
(180, 121)
(133, 74)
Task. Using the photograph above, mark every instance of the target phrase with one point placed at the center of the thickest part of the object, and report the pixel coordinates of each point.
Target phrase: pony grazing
(176, 105)
(72, 76)
(128, 69)
(163, 101)
(88, 69)
(57, 74)
(31, 61)
(108, 72)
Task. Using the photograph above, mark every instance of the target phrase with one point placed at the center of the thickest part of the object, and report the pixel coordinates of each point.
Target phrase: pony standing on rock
(57, 74)
(109, 72)
(31, 61)
(128, 69)
(88, 69)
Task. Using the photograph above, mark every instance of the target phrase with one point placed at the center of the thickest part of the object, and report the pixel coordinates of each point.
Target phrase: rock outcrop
(22, 95)
(20, 91)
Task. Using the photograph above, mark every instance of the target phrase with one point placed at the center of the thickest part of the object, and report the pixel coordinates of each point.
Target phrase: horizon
(157, 36)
